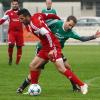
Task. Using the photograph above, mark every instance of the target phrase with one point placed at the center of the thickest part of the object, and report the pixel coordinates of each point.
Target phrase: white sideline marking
(90, 81)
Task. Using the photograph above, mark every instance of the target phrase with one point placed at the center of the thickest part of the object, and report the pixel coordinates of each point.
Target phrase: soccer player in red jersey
(15, 32)
(51, 49)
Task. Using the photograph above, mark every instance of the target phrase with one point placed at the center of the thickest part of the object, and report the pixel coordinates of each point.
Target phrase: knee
(61, 70)
(31, 66)
(11, 45)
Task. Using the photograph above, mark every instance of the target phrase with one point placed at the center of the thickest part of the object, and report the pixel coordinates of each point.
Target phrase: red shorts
(43, 53)
(15, 38)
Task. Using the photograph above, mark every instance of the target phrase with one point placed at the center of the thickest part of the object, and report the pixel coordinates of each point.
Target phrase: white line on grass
(90, 81)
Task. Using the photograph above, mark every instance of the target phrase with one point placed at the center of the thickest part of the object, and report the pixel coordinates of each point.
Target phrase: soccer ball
(34, 90)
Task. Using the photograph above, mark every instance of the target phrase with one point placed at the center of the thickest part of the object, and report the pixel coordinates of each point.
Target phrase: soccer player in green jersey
(49, 8)
(63, 31)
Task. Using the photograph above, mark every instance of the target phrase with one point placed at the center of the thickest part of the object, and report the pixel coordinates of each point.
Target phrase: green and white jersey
(50, 11)
(56, 27)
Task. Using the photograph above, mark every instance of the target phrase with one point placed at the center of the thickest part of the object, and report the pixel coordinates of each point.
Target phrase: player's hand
(97, 35)
(51, 55)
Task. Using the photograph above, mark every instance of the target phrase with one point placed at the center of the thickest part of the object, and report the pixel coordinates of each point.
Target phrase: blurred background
(86, 11)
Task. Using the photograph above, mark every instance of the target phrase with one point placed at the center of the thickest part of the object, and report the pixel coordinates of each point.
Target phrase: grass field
(85, 61)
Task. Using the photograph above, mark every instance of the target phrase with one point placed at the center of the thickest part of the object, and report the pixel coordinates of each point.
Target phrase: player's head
(49, 4)
(15, 4)
(24, 16)
(70, 22)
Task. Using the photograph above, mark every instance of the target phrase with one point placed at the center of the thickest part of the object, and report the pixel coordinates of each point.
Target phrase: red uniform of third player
(15, 31)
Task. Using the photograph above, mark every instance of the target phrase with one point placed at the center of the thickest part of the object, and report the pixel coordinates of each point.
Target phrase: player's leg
(10, 53)
(35, 71)
(68, 66)
(19, 54)
(27, 80)
(71, 76)
(25, 83)
(11, 43)
(37, 49)
(19, 44)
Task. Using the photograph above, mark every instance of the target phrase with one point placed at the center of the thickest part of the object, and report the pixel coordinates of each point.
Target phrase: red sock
(69, 74)
(10, 52)
(35, 76)
(19, 54)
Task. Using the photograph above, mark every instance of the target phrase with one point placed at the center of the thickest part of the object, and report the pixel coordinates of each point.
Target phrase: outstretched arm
(87, 38)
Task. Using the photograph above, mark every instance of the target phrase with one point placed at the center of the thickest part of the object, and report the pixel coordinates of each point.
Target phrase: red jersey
(41, 30)
(14, 24)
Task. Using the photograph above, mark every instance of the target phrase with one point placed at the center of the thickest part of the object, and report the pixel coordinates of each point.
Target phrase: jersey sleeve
(41, 29)
(53, 23)
(74, 35)
(82, 38)
(4, 18)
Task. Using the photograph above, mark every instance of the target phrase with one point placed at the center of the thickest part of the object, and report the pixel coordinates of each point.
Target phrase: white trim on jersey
(52, 22)
(33, 26)
(43, 31)
(49, 39)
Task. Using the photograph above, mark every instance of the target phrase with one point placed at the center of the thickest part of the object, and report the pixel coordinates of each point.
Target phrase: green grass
(85, 61)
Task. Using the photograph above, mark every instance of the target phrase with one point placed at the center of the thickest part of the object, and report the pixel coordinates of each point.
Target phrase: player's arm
(52, 52)
(85, 38)
(4, 18)
(45, 32)
(88, 38)
(41, 28)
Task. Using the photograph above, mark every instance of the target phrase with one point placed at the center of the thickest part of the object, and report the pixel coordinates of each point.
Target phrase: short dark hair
(72, 18)
(15, 1)
(24, 12)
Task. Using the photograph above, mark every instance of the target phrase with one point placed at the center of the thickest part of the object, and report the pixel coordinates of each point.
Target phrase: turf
(85, 61)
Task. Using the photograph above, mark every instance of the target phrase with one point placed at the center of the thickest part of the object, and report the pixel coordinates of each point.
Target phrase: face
(14, 5)
(49, 4)
(69, 25)
(24, 20)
